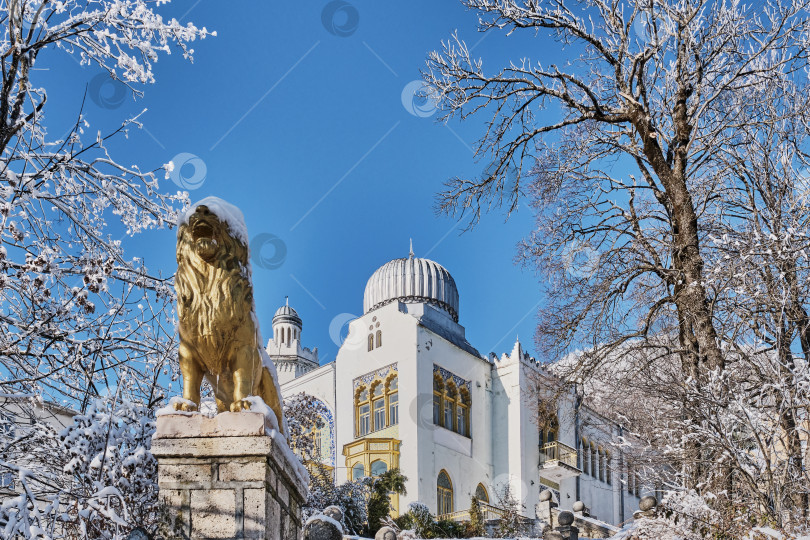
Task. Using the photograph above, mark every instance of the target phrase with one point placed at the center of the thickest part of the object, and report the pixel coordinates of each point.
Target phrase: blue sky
(305, 130)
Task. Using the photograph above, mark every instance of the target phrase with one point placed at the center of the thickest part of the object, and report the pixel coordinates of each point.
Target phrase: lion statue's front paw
(185, 405)
(240, 405)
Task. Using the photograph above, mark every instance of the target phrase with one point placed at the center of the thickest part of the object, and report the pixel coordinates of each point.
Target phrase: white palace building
(409, 390)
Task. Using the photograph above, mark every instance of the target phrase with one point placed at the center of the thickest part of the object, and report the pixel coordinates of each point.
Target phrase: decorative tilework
(381, 373)
(459, 382)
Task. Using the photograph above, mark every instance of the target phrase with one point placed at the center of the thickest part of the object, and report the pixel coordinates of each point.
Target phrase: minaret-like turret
(285, 350)
(286, 325)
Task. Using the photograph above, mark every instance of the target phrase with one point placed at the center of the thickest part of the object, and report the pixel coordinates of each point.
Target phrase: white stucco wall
(354, 360)
(467, 460)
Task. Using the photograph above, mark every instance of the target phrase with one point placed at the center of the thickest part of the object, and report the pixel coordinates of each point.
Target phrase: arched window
(444, 494)
(601, 464)
(585, 458)
(463, 413)
(378, 406)
(370, 342)
(481, 493)
(594, 462)
(363, 408)
(449, 406)
(378, 467)
(438, 392)
(608, 468)
(288, 336)
(630, 480)
(548, 422)
(379, 338)
(358, 471)
(393, 400)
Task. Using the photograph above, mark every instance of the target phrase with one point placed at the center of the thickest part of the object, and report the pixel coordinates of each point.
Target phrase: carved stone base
(223, 477)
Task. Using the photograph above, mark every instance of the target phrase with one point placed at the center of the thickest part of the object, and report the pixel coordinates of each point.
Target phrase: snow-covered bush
(96, 478)
(512, 523)
(350, 497)
(418, 520)
(114, 475)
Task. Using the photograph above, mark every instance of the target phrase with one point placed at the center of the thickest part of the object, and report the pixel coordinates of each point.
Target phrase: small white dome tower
(285, 350)
(286, 325)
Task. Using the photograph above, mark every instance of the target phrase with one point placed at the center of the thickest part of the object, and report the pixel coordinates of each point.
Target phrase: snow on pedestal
(228, 476)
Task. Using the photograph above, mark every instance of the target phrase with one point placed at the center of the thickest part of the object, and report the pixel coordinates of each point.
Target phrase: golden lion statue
(219, 334)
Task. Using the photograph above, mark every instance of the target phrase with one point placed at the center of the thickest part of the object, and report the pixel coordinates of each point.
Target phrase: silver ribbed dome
(412, 280)
(287, 314)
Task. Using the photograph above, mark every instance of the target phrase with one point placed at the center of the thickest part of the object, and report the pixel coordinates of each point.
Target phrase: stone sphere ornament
(545, 495)
(138, 533)
(579, 506)
(320, 529)
(333, 512)
(386, 533)
(647, 503)
(565, 518)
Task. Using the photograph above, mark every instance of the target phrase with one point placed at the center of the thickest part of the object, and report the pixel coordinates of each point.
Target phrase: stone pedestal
(223, 477)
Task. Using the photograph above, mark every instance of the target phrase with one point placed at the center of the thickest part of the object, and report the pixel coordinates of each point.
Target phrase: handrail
(557, 451)
(487, 510)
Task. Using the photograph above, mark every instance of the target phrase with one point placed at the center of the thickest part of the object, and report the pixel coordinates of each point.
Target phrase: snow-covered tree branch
(80, 318)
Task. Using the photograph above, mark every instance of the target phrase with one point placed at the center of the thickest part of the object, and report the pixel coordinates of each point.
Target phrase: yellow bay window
(376, 405)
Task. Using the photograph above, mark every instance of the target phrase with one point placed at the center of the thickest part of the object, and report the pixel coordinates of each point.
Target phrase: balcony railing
(558, 461)
(488, 511)
(557, 451)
